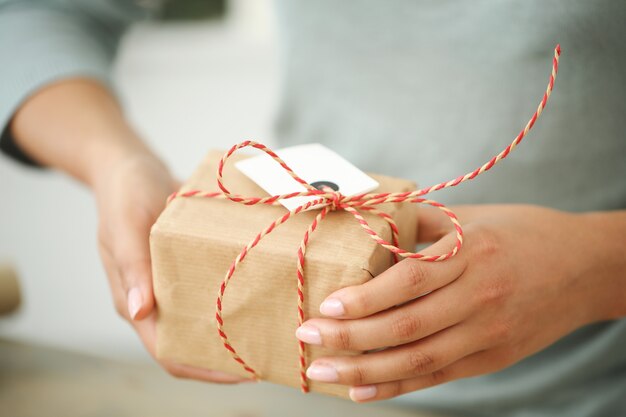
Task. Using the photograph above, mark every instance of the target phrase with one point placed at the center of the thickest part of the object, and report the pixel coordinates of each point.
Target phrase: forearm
(604, 258)
(58, 43)
(76, 126)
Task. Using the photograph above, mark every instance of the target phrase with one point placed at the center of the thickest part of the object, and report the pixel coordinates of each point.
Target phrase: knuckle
(420, 362)
(358, 375)
(502, 331)
(342, 338)
(486, 241)
(405, 327)
(416, 276)
(396, 388)
(495, 291)
(437, 377)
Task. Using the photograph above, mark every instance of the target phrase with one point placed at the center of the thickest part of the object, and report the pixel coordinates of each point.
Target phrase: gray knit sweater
(447, 82)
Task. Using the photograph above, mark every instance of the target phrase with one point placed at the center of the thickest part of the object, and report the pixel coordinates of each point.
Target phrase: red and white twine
(331, 200)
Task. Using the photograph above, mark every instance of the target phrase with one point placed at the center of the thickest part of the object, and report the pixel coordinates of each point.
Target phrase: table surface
(37, 381)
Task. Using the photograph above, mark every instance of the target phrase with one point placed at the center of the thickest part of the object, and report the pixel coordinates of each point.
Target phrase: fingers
(146, 329)
(479, 363)
(207, 375)
(415, 359)
(130, 199)
(412, 321)
(402, 282)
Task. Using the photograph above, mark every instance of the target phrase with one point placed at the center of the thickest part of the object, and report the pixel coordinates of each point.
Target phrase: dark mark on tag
(320, 185)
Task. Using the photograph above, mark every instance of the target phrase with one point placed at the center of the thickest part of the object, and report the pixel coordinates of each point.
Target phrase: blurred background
(82, 359)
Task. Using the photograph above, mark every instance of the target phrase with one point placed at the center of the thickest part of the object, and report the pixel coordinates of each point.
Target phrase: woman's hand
(130, 196)
(525, 277)
(77, 126)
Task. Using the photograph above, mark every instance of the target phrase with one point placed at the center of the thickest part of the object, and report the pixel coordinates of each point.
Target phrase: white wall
(187, 88)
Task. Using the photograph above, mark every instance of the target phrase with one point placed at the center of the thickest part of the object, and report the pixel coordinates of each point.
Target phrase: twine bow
(330, 200)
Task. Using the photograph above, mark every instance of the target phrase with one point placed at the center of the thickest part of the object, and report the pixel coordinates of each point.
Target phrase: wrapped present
(277, 272)
(195, 241)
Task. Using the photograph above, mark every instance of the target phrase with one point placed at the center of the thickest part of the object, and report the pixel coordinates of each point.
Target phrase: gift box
(194, 243)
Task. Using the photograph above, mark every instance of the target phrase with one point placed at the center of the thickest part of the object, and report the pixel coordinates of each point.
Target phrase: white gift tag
(314, 163)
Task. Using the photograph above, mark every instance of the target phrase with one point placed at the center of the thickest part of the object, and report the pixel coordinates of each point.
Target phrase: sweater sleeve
(48, 40)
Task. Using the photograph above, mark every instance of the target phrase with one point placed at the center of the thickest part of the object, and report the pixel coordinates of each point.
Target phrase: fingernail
(134, 302)
(363, 393)
(322, 373)
(309, 334)
(332, 307)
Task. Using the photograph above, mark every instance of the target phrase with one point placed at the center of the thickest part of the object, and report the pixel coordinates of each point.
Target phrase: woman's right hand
(78, 127)
(130, 196)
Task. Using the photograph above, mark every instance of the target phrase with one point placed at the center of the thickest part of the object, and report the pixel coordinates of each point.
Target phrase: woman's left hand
(525, 277)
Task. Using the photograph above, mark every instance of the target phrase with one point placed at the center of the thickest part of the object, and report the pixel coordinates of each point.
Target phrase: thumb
(135, 273)
(137, 282)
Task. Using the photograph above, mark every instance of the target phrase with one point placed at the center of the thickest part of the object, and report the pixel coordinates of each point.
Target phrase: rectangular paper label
(314, 163)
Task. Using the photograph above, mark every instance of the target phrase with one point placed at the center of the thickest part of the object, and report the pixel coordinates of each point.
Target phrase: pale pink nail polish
(332, 307)
(134, 302)
(309, 334)
(322, 373)
(363, 393)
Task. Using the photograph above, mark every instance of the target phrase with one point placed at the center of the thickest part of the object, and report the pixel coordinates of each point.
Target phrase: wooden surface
(38, 381)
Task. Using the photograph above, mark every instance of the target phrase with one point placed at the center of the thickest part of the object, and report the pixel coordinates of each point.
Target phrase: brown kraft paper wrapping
(194, 242)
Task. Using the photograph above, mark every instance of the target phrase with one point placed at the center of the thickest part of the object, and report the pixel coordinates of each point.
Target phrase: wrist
(104, 156)
(127, 162)
(76, 126)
